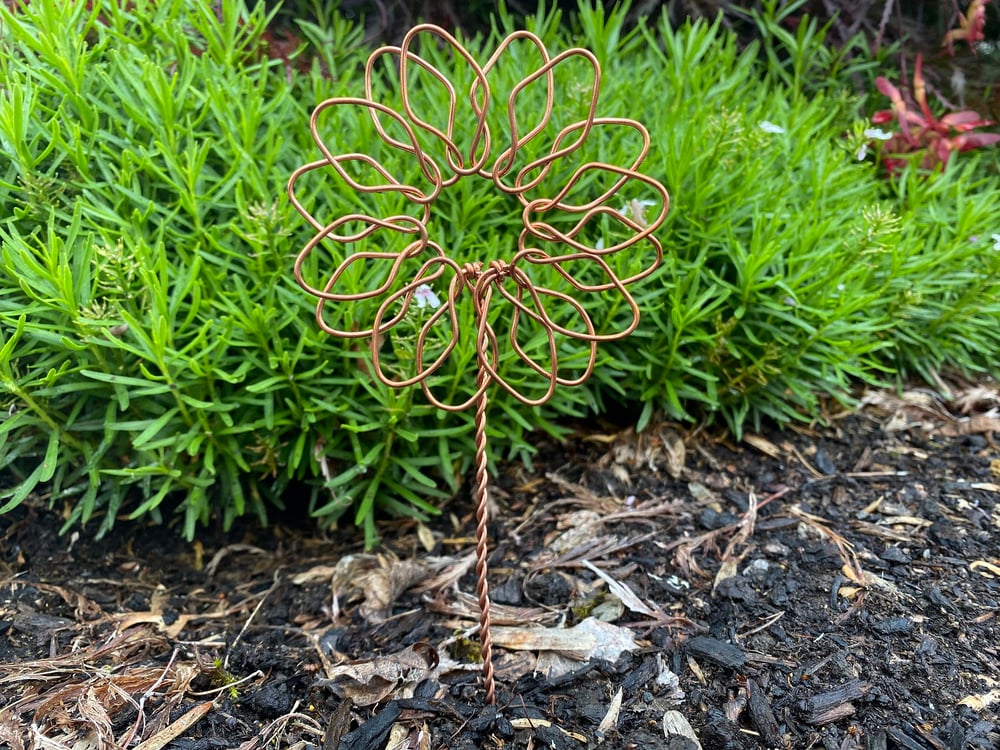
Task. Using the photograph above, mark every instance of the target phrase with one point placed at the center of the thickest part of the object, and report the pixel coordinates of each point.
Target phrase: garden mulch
(827, 586)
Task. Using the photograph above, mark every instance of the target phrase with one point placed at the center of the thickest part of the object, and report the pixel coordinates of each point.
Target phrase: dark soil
(834, 587)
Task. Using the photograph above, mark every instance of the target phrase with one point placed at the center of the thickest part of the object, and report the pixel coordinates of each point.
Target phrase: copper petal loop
(595, 258)
(490, 367)
(430, 170)
(577, 214)
(487, 357)
(638, 230)
(624, 173)
(539, 315)
(401, 224)
(480, 96)
(293, 181)
(558, 263)
(432, 270)
(381, 326)
(460, 163)
(506, 160)
(404, 225)
(518, 36)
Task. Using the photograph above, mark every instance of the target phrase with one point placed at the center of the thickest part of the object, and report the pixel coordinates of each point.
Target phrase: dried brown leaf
(383, 585)
(461, 604)
(316, 574)
(164, 737)
(977, 398)
(578, 528)
(982, 701)
(93, 714)
(906, 521)
(399, 737)
(673, 445)
(369, 682)
(377, 580)
(975, 425)
(610, 720)
(571, 642)
(528, 723)
(426, 537)
(624, 593)
(608, 643)
(727, 569)
(12, 729)
(762, 444)
(451, 569)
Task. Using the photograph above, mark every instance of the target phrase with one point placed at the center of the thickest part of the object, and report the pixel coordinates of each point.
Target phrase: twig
(246, 624)
(883, 22)
(168, 734)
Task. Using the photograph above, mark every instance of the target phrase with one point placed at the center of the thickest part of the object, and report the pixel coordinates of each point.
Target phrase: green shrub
(155, 349)
(794, 270)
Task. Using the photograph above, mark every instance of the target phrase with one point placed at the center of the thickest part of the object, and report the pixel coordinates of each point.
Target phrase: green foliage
(794, 269)
(155, 350)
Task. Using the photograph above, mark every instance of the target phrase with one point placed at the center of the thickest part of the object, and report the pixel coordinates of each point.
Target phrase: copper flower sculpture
(579, 217)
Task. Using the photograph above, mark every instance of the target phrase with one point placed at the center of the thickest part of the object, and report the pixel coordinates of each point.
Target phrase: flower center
(498, 269)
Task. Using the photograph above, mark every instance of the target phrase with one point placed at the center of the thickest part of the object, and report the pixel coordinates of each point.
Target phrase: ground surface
(833, 587)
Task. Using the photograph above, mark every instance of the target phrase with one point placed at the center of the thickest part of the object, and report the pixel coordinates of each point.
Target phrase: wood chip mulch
(819, 587)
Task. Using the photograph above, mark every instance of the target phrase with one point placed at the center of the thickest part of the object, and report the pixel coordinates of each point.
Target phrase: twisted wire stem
(569, 219)
(482, 538)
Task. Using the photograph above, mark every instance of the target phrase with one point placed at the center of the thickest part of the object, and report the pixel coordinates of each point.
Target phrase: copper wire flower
(583, 220)
(586, 196)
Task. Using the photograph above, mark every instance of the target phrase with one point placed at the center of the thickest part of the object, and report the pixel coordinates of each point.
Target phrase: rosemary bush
(155, 352)
(794, 269)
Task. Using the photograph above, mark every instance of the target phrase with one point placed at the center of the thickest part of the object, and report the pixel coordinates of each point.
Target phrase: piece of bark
(903, 740)
(374, 732)
(721, 733)
(338, 726)
(762, 716)
(832, 705)
(718, 652)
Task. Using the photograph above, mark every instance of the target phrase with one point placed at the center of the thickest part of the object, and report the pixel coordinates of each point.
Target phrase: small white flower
(424, 297)
(770, 127)
(840, 287)
(636, 210)
(996, 241)
(599, 245)
(878, 134)
(631, 208)
(863, 152)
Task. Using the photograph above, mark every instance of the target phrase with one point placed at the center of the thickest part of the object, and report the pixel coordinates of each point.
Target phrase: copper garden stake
(576, 220)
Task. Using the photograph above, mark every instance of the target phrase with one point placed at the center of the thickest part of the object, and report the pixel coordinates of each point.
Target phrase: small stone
(824, 463)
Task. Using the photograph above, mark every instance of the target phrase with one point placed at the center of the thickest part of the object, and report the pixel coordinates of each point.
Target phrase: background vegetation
(921, 23)
(155, 350)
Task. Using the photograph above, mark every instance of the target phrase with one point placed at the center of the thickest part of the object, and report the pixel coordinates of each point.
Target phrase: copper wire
(491, 280)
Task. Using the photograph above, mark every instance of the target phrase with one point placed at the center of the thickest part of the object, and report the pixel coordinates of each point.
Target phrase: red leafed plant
(920, 130)
(970, 27)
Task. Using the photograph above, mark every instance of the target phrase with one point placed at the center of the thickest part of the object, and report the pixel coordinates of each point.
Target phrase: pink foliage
(970, 27)
(920, 130)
